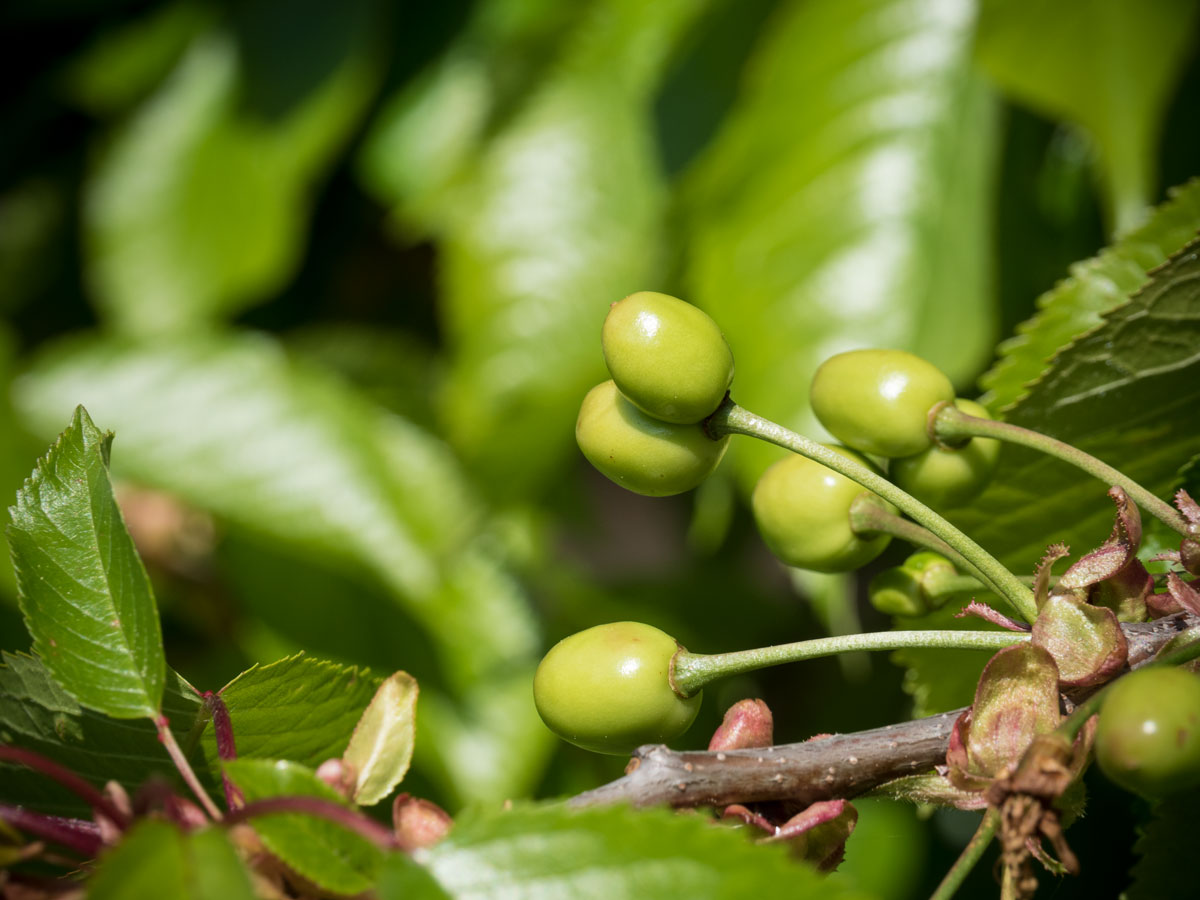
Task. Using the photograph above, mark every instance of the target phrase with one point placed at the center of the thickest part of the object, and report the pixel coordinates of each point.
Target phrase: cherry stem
(733, 419)
(167, 738)
(952, 424)
(690, 672)
(68, 779)
(1071, 725)
(868, 517)
(970, 855)
(379, 835)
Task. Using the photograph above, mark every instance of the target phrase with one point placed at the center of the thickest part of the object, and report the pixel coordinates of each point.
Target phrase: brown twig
(843, 765)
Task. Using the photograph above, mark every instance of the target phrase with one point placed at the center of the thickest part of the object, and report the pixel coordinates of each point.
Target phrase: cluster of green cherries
(616, 686)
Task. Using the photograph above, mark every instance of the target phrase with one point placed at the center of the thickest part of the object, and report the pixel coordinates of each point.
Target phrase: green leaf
(560, 216)
(198, 206)
(851, 216)
(1125, 392)
(551, 851)
(1162, 844)
(233, 426)
(323, 852)
(298, 708)
(84, 592)
(37, 714)
(1076, 304)
(157, 860)
(1108, 66)
(381, 747)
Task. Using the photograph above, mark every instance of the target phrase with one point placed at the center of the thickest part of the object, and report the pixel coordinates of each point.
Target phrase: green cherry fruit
(946, 477)
(1148, 736)
(803, 513)
(667, 357)
(608, 689)
(641, 453)
(878, 401)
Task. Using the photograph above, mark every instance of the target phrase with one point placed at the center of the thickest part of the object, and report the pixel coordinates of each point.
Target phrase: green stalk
(1071, 725)
(868, 517)
(733, 419)
(690, 672)
(952, 424)
(970, 855)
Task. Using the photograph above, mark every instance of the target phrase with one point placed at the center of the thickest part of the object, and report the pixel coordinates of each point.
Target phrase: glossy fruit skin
(607, 689)
(803, 513)
(878, 401)
(667, 357)
(946, 477)
(901, 591)
(640, 453)
(1148, 736)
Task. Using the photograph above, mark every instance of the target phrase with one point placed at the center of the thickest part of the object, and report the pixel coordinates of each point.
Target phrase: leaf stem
(68, 779)
(733, 419)
(952, 424)
(970, 855)
(377, 834)
(75, 834)
(692, 671)
(167, 738)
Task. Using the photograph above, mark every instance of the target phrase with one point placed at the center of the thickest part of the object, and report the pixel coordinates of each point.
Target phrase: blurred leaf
(233, 426)
(941, 680)
(557, 217)
(157, 860)
(198, 207)
(851, 215)
(37, 714)
(889, 849)
(298, 708)
(1163, 844)
(432, 128)
(489, 747)
(381, 746)
(1125, 392)
(1096, 285)
(323, 852)
(616, 853)
(1107, 65)
(123, 65)
(86, 598)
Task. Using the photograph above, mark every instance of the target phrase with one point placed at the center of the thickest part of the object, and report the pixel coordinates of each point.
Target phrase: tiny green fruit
(878, 401)
(803, 513)
(946, 477)
(904, 590)
(667, 357)
(1148, 736)
(608, 689)
(641, 453)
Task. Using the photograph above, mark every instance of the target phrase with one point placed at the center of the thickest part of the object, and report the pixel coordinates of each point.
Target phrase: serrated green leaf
(853, 215)
(157, 860)
(198, 207)
(381, 747)
(233, 426)
(1125, 392)
(298, 708)
(85, 595)
(1163, 845)
(1108, 66)
(616, 853)
(559, 217)
(323, 852)
(37, 714)
(1076, 304)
